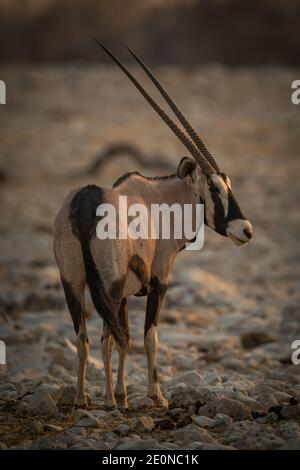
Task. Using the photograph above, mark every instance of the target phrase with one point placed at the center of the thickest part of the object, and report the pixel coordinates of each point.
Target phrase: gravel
(231, 314)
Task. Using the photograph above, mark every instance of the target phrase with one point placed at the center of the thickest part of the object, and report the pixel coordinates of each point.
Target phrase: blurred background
(72, 118)
(192, 32)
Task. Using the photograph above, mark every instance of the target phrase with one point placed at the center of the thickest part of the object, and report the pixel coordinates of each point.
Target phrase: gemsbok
(115, 269)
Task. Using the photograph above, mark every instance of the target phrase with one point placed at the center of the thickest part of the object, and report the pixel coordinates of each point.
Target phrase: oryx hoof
(82, 401)
(110, 404)
(159, 401)
(122, 402)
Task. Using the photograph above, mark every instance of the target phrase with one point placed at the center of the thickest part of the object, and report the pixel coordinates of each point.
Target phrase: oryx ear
(188, 169)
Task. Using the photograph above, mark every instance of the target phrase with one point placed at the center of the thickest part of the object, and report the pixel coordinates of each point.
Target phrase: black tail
(83, 220)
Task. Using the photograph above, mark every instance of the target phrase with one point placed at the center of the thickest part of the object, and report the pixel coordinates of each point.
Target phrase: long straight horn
(204, 164)
(190, 130)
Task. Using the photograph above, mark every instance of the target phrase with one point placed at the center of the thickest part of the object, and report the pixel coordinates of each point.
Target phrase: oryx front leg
(120, 388)
(151, 340)
(107, 343)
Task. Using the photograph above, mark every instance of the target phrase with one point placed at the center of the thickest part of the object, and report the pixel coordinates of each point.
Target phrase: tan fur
(112, 256)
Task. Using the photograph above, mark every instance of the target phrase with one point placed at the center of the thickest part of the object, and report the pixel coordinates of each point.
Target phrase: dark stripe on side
(124, 177)
(149, 178)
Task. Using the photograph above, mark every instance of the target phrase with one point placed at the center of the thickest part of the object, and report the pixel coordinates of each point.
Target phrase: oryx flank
(116, 269)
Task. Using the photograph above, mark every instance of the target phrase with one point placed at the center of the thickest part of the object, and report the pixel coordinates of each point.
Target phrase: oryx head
(222, 212)
(201, 172)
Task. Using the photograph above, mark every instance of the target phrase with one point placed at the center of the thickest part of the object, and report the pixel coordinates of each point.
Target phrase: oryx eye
(214, 189)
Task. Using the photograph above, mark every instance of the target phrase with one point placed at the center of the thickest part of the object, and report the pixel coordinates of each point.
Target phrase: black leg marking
(154, 301)
(73, 305)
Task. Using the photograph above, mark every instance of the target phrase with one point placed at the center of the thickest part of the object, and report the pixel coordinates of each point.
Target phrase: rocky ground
(230, 315)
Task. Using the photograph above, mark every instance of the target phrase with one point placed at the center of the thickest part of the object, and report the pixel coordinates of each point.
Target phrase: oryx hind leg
(120, 388)
(75, 300)
(107, 343)
(71, 266)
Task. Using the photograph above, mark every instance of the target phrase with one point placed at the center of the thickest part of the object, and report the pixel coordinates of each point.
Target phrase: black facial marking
(234, 211)
(219, 215)
(213, 189)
